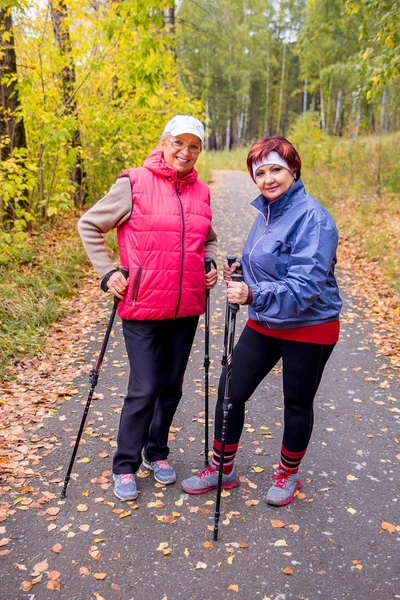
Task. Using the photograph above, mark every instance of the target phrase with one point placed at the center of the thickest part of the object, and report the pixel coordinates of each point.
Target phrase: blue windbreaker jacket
(289, 261)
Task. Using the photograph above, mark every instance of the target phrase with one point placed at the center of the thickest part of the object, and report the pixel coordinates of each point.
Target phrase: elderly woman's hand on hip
(237, 292)
(229, 270)
(211, 278)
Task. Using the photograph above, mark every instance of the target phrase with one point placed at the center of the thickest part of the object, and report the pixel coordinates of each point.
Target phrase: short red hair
(261, 148)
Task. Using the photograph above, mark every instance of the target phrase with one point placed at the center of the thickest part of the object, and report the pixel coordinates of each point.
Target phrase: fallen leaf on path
(388, 527)
(201, 565)
(276, 523)
(40, 567)
(288, 571)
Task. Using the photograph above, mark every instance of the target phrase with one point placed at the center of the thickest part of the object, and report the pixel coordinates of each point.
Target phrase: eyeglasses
(179, 145)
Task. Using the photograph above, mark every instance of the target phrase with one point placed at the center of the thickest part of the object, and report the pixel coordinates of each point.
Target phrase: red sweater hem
(325, 333)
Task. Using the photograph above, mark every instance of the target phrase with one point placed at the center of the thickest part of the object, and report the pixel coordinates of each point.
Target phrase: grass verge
(37, 273)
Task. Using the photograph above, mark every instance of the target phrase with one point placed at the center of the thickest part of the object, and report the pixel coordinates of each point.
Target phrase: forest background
(86, 88)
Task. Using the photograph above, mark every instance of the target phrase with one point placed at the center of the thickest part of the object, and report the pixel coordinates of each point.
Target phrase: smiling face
(273, 181)
(181, 159)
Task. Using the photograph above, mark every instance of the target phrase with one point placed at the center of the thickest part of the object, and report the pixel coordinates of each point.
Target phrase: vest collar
(155, 162)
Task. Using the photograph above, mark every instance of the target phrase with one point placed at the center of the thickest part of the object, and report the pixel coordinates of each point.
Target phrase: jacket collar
(282, 203)
(155, 162)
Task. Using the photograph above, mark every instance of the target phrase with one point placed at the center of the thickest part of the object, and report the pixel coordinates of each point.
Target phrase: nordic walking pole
(230, 260)
(93, 379)
(226, 406)
(207, 268)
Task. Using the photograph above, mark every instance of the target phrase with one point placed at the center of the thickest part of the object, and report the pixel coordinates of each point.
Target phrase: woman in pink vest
(163, 219)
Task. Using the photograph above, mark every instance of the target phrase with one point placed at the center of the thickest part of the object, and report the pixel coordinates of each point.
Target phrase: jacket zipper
(255, 244)
(136, 285)
(183, 249)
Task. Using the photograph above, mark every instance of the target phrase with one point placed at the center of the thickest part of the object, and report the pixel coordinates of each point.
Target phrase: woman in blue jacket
(289, 284)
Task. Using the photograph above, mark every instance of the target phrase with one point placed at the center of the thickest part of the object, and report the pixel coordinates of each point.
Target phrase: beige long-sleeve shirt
(110, 212)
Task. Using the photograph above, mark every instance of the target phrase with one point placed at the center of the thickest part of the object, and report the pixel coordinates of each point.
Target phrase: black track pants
(254, 356)
(158, 353)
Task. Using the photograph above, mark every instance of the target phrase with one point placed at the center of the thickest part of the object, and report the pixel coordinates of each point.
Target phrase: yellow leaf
(162, 546)
(201, 565)
(186, 553)
(288, 571)
(84, 460)
(280, 543)
(233, 587)
(179, 502)
(100, 576)
(81, 508)
(167, 551)
(230, 559)
(258, 469)
(294, 528)
(208, 545)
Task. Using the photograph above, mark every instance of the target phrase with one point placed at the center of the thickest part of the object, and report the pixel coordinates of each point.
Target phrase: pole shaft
(206, 376)
(225, 414)
(94, 375)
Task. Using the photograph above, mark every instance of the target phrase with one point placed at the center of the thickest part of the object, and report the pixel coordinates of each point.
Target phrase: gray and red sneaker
(207, 480)
(284, 488)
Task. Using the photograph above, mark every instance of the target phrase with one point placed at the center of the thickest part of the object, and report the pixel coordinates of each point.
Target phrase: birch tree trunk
(228, 133)
(321, 101)
(329, 107)
(384, 110)
(59, 13)
(305, 94)
(278, 126)
(338, 110)
(267, 93)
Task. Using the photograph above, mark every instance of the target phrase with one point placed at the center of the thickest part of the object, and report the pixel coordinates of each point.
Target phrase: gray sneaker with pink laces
(125, 486)
(284, 488)
(163, 472)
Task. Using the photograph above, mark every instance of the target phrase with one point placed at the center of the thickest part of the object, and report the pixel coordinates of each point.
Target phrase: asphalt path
(331, 542)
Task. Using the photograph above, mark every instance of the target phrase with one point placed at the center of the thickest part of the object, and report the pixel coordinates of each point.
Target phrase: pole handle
(239, 278)
(230, 259)
(208, 264)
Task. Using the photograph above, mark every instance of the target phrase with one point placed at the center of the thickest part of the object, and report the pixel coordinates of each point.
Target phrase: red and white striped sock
(229, 456)
(290, 461)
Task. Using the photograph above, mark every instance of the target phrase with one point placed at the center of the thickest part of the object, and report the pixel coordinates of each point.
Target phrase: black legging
(254, 356)
(158, 353)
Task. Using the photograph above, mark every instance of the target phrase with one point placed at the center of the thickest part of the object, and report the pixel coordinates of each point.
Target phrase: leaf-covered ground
(339, 538)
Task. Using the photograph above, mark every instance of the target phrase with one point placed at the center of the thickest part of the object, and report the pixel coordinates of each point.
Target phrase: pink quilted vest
(163, 243)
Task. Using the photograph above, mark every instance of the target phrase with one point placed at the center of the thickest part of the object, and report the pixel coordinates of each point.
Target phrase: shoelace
(206, 472)
(162, 464)
(126, 478)
(280, 478)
